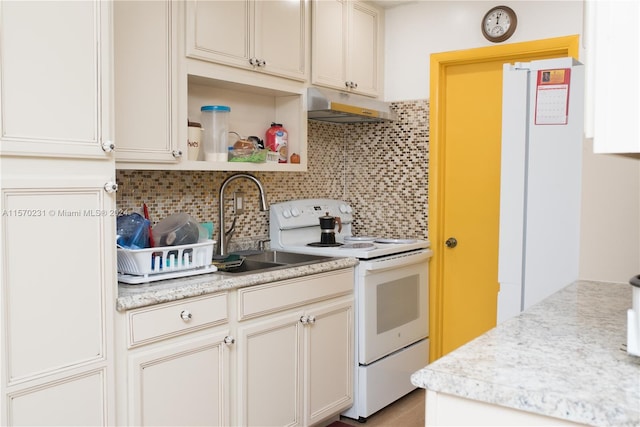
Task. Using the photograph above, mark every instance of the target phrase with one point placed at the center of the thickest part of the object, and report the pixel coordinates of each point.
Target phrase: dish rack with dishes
(137, 266)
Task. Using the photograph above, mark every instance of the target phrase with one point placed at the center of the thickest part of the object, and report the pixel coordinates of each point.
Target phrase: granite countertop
(561, 358)
(135, 296)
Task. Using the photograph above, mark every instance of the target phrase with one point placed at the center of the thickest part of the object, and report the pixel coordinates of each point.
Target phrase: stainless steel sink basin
(281, 257)
(272, 260)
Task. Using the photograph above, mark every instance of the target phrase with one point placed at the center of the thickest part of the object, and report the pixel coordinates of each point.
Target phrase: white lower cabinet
(296, 365)
(275, 354)
(183, 384)
(175, 369)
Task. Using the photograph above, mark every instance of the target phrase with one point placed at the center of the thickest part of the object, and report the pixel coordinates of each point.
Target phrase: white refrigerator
(540, 182)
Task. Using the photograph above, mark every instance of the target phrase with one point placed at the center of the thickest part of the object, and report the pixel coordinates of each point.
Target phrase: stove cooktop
(294, 226)
(357, 250)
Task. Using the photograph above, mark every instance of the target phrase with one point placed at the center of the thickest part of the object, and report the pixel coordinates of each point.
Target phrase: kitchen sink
(281, 257)
(256, 262)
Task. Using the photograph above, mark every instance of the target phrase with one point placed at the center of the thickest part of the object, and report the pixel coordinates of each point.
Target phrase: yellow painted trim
(560, 46)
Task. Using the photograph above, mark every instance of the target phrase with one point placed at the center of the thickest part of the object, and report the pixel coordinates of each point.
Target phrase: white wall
(416, 30)
(610, 223)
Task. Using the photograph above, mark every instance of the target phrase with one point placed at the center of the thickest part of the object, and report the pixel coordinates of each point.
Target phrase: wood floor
(406, 412)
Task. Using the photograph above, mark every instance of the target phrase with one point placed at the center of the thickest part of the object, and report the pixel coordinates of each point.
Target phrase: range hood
(328, 105)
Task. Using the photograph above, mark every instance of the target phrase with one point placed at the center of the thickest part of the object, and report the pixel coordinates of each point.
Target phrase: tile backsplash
(380, 169)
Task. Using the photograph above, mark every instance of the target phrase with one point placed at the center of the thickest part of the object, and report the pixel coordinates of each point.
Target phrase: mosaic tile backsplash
(381, 170)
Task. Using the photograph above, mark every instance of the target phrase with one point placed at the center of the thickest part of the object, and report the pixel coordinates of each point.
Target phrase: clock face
(499, 24)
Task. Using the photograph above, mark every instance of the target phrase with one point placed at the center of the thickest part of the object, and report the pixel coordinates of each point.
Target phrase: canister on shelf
(215, 121)
(194, 141)
(276, 140)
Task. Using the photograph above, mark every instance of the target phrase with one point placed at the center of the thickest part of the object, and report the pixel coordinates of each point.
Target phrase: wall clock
(499, 23)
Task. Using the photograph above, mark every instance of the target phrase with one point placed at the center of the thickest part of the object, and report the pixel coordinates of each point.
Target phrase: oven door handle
(397, 261)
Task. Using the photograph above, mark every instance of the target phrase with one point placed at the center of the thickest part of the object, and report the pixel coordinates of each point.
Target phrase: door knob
(451, 242)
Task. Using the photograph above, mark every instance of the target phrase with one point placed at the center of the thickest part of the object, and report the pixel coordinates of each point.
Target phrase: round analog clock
(499, 23)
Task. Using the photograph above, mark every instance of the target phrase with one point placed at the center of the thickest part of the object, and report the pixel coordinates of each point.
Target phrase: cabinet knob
(111, 187)
(185, 315)
(177, 153)
(308, 320)
(347, 84)
(108, 146)
(262, 63)
(228, 340)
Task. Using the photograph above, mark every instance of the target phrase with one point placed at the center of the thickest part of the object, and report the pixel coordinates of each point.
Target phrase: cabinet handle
(354, 85)
(228, 340)
(347, 84)
(111, 187)
(253, 61)
(185, 315)
(308, 320)
(108, 146)
(177, 153)
(262, 63)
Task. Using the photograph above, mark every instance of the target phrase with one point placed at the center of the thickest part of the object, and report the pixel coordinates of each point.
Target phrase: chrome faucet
(222, 241)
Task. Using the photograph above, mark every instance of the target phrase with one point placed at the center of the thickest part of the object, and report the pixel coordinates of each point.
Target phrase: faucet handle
(261, 244)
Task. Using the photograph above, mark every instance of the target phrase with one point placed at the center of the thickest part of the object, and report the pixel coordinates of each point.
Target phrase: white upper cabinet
(145, 74)
(347, 46)
(612, 41)
(266, 36)
(54, 80)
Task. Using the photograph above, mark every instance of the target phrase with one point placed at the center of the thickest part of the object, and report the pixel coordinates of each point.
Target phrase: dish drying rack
(136, 266)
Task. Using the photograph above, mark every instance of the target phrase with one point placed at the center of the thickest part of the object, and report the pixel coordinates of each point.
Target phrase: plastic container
(178, 229)
(132, 231)
(276, 140)
(215, 122)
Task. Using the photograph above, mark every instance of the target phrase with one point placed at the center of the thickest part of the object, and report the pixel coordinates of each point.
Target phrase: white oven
(391, 289)
(393, 296)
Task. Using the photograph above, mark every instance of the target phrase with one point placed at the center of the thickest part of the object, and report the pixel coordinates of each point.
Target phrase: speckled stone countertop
(560, 358)
(135, 296)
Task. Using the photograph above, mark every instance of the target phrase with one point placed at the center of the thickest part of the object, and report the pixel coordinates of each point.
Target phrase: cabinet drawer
(166, 320)
(273, 297)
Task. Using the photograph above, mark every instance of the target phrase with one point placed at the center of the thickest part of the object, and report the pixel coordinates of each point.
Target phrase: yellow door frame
(560, 46)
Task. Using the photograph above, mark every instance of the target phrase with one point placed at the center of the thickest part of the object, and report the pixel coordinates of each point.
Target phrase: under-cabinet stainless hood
(328, 105)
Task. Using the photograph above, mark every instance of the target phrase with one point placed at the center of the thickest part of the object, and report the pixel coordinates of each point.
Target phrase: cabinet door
(364, 49)
(329, 360)
(329, 43)
(58, 287)
(281, 29)
(72, 401)
(55, 78)
(145, 81)
(613, 51)
(220, 31)
(270, 361)
(181, 385)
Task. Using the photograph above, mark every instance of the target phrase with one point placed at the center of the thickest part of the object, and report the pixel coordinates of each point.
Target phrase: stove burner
(324, 245)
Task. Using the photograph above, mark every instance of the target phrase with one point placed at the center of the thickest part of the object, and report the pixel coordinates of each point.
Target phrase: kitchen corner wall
(380, 169)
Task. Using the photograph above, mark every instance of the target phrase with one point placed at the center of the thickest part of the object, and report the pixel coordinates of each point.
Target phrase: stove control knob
(295, 212)
(344, 208)
(286, 213)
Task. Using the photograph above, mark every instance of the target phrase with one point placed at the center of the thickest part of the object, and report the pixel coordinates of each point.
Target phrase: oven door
(393, 303)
